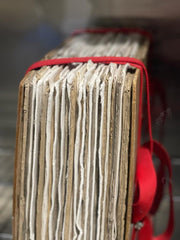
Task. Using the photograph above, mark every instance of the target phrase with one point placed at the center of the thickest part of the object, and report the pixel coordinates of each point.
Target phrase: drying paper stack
(76, 143)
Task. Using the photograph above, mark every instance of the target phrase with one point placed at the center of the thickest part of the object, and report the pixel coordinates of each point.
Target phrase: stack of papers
(76, 142)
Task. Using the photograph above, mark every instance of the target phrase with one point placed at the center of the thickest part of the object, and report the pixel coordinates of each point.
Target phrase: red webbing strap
(146, 232)
(146, 184)
(165, 161)
(107, 60)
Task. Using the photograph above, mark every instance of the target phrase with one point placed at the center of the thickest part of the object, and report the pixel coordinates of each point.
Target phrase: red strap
(146, 231)
(145, 185)
(164, 158)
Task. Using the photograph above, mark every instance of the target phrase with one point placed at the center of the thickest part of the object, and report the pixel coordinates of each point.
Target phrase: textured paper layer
(74, 144)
